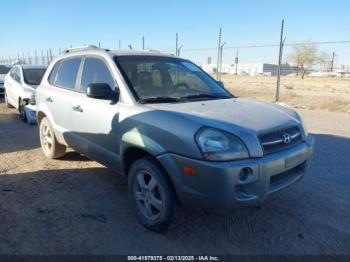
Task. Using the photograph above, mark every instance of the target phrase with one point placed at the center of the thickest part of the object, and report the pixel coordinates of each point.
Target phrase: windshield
(4, 70)
(33, 76)
(165, 79)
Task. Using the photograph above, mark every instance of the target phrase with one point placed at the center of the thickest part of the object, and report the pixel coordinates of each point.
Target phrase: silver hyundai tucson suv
(176, 133)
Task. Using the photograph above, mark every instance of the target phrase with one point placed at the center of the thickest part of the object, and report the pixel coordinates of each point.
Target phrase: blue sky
(30, 25)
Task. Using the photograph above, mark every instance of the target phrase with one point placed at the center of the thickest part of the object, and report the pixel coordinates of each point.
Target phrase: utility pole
(236, 63)
(332, 64)
(178, 50)
(99, 44)
(279, 63)
(221, 51)
(218, 58)
(143, 43)
(177, 44)
(120, 45)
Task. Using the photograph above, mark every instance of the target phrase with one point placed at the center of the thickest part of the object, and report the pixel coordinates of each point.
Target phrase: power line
(269, 45)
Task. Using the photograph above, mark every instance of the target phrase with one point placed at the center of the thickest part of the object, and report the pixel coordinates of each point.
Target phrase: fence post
(221, 51)
(279, 63)
(176, 43)
(218, 58)
(29, 58)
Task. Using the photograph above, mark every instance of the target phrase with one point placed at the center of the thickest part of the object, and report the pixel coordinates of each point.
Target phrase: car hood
(239, 112)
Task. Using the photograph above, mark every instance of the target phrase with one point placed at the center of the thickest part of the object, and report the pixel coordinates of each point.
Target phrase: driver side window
(96, 71)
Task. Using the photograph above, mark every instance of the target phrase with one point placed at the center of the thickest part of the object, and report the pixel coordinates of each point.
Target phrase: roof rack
(151, 50)
(82, 48)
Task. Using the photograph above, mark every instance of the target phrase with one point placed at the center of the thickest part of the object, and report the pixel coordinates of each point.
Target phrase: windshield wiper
(204, 96)
(158, 99)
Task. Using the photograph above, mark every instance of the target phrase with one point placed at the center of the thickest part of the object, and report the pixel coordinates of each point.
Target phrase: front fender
(134, 138)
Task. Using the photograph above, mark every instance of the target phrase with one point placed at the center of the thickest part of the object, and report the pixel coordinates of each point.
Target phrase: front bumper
(218, 184)
(30, 111)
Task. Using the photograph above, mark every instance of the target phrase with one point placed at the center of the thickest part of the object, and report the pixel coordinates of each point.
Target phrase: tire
(151, 194)
(51, 148)
(6, 101)
(22, 112)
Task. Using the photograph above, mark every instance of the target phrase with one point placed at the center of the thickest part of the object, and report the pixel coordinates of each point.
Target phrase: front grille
(280, 140)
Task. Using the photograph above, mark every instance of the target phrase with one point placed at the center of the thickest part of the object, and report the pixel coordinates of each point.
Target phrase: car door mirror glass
(101, 91)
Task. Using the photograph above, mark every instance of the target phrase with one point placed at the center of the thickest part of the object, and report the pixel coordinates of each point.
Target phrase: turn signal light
(189, 171)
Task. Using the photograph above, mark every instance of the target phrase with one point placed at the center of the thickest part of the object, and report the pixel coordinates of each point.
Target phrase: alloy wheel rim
(148, 195)
(47, 138)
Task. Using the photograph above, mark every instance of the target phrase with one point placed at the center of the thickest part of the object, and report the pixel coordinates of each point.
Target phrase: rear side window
(12, 72)
(95, 71)
(67, 74)
(53, 73)
(33, 76)
(17, 75)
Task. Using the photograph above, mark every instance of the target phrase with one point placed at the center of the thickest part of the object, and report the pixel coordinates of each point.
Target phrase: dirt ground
(76, 206)
(332, 94)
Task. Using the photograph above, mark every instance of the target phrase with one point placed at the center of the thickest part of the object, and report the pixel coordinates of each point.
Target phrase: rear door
(95, 121)
(9, 81)
(59, 96)
(14, 86)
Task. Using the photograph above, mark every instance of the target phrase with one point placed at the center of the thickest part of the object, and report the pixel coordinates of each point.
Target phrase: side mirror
(101, 91)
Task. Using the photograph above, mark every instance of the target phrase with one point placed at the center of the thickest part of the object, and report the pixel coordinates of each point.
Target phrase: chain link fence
(32, 58)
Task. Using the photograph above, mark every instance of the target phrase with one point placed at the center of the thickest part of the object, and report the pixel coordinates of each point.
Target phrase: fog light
(245, 174)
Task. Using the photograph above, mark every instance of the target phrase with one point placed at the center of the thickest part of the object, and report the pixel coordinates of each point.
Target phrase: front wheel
(51, 148)
(22, 112)
(151, 194)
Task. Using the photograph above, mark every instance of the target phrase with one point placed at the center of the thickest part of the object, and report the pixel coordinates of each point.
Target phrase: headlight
(217, 145)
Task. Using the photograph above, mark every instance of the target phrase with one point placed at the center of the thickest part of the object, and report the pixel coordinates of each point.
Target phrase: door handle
(49, 99)
(77, 108)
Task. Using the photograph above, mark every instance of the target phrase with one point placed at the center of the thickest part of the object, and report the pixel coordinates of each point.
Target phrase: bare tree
(303, 56)
(324, 59)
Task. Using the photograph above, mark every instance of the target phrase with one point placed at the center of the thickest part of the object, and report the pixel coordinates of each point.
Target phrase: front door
(95, 121)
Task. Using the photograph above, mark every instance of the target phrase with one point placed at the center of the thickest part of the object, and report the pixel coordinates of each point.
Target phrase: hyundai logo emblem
(286, 138)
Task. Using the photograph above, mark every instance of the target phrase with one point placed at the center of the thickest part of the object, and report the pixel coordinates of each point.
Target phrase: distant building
(251, 69)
